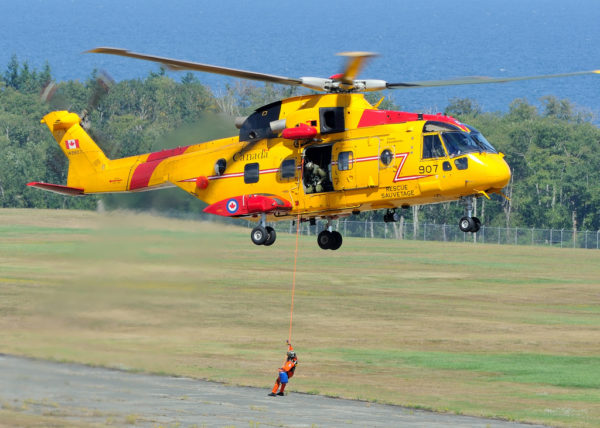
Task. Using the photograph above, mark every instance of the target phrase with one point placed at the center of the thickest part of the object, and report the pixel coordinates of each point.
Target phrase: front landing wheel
(466, 224)
(477, 225)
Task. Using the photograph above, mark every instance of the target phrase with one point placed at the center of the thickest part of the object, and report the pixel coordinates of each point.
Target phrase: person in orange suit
(286, 372)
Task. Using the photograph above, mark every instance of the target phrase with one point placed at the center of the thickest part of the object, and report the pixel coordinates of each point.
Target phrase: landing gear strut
(469, 223)
(391, 216)
(263, 234)
(329, 239)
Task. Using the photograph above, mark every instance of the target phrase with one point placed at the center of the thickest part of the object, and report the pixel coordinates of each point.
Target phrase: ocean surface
(434, 39)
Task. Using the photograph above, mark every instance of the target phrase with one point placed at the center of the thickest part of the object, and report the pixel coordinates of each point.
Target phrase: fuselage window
(251, 173)
(288, 168)
(220, 166)
(432, 147)
(461, 163)
(345, 160)
(386, 157)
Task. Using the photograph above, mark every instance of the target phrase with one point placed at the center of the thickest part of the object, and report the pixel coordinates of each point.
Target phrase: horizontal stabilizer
(57, 188)
(248, 205)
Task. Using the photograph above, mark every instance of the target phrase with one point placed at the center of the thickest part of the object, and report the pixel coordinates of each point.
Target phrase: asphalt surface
(103, 396)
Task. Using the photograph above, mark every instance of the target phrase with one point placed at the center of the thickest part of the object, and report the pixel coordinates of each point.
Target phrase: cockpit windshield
(480, 139)
(459, 143)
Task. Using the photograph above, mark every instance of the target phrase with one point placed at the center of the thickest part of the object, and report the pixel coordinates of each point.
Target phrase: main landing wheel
(259, 235)
(337, 240)
(263, 235)
(271, 236)
(329, 240)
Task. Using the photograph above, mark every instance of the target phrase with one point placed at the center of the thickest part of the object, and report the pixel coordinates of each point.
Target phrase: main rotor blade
(356, 61)
(175, 64)
(480, 80)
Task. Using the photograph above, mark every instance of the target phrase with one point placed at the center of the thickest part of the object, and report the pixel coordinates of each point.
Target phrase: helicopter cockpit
(457, 141)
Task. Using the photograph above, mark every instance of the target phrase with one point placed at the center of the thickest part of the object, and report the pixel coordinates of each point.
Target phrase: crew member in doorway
(314, 177)
(285, 372)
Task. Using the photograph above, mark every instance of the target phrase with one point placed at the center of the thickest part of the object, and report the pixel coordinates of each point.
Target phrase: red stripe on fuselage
(385, 117)
(141, 175)
(166, 153)
(143, 172)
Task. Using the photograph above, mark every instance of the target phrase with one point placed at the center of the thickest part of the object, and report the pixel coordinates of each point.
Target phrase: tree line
(553, 150)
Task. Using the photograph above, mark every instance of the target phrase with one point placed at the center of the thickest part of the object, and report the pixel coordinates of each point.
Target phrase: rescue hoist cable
(296, 255)
(294, 277)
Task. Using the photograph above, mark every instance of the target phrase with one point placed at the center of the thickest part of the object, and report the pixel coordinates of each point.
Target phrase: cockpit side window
(432, 147)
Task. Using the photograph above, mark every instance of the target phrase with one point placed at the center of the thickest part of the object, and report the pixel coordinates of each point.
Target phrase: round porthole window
(220, 166)
(386, 157)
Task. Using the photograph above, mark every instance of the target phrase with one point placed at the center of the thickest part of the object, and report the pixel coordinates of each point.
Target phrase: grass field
(498, 331)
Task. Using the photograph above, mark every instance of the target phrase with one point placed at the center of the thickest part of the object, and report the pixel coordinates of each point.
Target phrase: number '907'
(427, 169)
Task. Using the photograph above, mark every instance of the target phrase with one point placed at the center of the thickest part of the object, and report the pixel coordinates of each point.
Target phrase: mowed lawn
(501, 331)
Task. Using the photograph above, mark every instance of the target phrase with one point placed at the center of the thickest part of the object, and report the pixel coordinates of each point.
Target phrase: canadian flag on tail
(72, 144)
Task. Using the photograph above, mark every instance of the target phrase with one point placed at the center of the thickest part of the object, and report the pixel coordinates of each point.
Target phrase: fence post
(532, 236)
(561, 237)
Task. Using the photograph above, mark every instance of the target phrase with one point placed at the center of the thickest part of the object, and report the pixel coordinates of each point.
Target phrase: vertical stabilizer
(86, 159)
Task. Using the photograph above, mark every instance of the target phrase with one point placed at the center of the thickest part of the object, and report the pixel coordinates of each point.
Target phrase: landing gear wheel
(271, 236)
(466, 224)
(259, 235)
(477, 225)
(336, 241)
(325, 239)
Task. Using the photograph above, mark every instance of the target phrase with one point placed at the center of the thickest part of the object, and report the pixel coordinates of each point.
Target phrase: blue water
(433, 39)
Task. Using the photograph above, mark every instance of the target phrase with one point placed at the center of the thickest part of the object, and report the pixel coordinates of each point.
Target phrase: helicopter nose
(495, 172)
(503, 173)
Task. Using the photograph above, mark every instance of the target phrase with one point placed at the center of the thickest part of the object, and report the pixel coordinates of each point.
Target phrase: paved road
(96, 395)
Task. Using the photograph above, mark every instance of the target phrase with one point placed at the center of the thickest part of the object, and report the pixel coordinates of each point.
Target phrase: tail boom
(90, 171)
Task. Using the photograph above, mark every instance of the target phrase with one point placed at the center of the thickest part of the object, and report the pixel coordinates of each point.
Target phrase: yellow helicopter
(320, 156)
